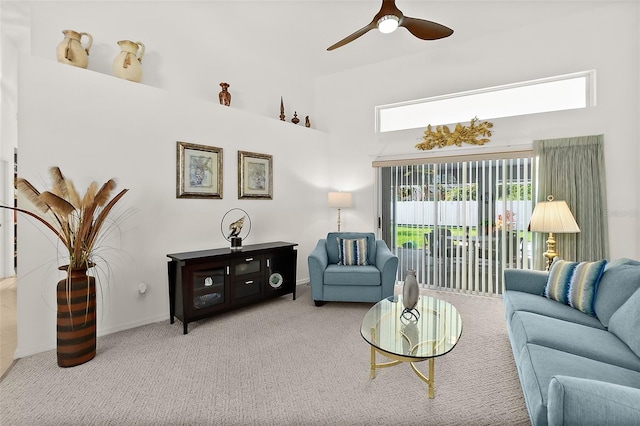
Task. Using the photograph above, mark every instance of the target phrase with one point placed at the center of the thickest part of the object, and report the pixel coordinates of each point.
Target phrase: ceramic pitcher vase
(71, 51)
(128, 63)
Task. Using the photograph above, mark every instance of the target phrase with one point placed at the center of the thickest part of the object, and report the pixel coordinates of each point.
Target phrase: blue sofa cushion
(625, 323)
(527, 327)
(559, 279)
(525, 280)
(574, 401)
(583, 284)
(352, 252)
(620, 279)
(521, 301)
(537, 365)
(333, 251)
(348, 275)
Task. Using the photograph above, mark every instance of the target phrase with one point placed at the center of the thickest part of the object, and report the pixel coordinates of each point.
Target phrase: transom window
(565, 92)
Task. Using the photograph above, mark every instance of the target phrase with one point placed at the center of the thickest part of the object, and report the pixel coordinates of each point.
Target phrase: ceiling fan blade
(349, 39)
(425, 30)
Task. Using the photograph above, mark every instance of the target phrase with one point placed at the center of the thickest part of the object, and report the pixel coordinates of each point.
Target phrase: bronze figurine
(224, 95)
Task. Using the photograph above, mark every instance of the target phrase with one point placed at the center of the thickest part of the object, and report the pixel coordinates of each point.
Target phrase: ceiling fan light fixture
(388, 24)
(389, 18)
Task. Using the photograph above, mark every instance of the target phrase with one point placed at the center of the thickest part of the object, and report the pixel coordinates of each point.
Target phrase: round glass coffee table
(430, 330)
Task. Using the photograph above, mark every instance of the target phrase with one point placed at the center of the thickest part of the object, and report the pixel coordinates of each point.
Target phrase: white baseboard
(21, 353)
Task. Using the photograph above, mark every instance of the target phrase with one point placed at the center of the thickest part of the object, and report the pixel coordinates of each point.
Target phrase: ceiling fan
(390, 17)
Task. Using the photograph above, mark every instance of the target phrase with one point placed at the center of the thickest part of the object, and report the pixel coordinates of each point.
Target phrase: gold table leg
(373, 353)
(375, 365)
(373, 362)
(430, 381)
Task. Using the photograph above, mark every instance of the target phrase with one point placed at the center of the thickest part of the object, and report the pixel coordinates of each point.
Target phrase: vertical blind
(459, 224)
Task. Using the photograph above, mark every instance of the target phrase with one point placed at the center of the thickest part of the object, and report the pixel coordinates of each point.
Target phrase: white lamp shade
(339, 200)
(553, 216)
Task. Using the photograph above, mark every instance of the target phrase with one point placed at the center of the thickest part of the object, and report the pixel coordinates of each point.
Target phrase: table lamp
(339, 200)
(552, 217)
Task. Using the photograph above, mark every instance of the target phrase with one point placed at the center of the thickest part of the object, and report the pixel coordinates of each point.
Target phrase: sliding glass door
(459, 224)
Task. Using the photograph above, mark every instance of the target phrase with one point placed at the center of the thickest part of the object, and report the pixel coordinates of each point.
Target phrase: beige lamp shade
(553, 216)
(340, 200)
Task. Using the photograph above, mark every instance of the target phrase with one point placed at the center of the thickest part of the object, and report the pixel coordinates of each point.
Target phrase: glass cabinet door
(209, 287)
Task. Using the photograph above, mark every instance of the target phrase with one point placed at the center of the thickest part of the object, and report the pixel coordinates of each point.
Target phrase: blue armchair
(333, 281)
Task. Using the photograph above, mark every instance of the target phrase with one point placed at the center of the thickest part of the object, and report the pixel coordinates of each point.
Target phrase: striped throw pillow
(583, 285)
(559, 279)
(352, 252)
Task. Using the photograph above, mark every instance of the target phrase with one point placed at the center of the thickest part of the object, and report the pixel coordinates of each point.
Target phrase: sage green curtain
(573, 169)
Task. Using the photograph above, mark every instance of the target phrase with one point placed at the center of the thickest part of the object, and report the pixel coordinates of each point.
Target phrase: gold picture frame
(255, 176)
(198, 171)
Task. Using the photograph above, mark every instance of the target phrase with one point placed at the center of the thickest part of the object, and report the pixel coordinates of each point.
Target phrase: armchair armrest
(576, 401)
(318, 261)
(525, 280)
(387, 263)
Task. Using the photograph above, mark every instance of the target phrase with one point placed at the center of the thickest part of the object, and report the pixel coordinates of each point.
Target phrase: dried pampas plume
(76, 220)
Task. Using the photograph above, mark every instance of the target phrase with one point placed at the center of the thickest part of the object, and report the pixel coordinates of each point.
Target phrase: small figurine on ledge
(281, 109)
(307, 123)
(295, 119)
(224, 95)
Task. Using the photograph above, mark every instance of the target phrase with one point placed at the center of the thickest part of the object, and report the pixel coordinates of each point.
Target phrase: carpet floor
(280, 362)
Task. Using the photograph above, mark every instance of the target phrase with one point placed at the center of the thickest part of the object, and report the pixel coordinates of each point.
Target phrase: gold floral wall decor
(475, 133)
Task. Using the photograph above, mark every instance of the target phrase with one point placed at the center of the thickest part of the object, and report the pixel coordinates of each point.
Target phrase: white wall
(189, 48)
(95, 127)
(596, 35)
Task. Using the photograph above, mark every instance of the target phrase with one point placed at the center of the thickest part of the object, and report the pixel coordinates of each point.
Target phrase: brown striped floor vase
(76, 323)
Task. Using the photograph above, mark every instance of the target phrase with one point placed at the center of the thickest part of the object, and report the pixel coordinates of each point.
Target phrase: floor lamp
(552, 217)
(339, 200)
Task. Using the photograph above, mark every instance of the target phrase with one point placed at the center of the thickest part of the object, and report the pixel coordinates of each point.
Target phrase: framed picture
(255, 175)
(198, 171)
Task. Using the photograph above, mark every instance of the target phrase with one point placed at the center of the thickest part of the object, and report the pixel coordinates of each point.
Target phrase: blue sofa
(368, 283)
(574, 368)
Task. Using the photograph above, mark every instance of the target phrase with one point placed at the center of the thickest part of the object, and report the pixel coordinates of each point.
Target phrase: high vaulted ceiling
(297, 33)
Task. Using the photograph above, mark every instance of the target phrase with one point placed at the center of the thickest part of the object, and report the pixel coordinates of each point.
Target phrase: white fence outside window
(451, 213)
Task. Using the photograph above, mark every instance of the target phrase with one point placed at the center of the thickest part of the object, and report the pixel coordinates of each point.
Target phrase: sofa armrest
(318, 261)
(525, 280)
(387, 263)
(577, 401)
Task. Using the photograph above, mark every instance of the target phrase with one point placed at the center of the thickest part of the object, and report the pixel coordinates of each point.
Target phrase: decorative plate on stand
(276, 280)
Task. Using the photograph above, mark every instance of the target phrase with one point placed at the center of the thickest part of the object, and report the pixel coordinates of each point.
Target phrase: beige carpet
(281, 362)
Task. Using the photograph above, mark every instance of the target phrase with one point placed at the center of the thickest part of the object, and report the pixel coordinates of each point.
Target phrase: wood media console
(207, 282)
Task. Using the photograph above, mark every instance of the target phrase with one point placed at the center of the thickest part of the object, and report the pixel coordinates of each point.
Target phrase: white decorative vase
(410, 290)
(70, 50)
(127, 64)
